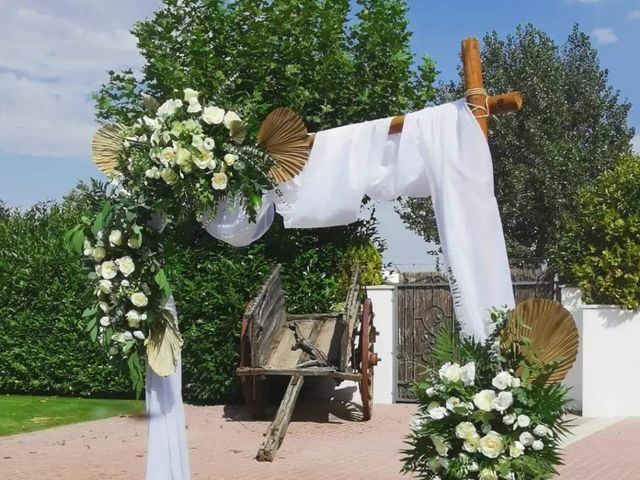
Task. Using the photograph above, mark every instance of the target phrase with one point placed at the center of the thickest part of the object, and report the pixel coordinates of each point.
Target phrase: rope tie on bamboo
(474, 108)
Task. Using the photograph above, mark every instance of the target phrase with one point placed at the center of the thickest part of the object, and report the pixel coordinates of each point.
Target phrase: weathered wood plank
(278, 428)
(307, 372)
(349, 320)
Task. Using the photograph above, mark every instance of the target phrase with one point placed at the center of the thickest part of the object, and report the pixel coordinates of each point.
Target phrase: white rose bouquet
(485, 413)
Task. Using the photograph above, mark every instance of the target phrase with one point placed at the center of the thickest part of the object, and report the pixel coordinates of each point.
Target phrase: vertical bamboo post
(472, 67)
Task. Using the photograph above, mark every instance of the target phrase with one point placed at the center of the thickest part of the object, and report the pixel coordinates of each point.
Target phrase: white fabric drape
(441, 153)
(167, 454)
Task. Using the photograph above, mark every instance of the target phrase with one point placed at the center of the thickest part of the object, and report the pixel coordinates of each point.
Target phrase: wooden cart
(276, 343)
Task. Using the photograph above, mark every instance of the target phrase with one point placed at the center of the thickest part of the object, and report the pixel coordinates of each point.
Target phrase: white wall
(384, 298)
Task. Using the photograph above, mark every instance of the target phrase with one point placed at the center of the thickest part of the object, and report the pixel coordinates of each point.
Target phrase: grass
(23, 413)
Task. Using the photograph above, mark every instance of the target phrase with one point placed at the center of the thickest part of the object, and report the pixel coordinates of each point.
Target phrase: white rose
(194, 107)
(139, 335)
(168, 156)
(431, 392)
(515, 382)
(465, 430)
(541, 430)
(139, 299)
(439, 443)
(209, 143)
(168, 108)
(124, 283)
(436, 412)
(219, 181)
(526, 439)
(523, 421)
(537, 445)
(152, 172)
(105, 286)
(213, 115)
(508, 419)
(190, 95)
(126, 265)
(450, 372)
(212, 164)
(105, 321)
(202, 160)
(503, 401)
(229, 118)
(133, 317)
(99, 253)
(230, 158)
(452, 403)
(491, 445)
(484, 399)
(502, 380)
(115, 238)
(134, 242)
(516, 449)
(468, 373)
(487, 474)
(471, 443)
(108, 270)
(126, 336)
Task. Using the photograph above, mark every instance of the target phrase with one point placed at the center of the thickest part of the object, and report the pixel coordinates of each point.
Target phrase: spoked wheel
(366, 358)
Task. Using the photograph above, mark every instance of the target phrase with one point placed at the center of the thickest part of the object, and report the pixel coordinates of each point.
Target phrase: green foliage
(600, 249)
(572, 128)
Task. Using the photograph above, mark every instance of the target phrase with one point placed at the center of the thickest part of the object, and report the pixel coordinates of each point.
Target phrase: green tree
(572, 128)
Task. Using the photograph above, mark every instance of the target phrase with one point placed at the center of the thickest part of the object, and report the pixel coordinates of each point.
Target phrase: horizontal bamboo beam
(498, 104)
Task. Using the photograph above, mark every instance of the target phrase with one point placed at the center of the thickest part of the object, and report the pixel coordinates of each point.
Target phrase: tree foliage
(572, 128)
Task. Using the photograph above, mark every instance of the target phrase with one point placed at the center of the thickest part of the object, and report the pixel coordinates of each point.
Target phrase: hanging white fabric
(441, 153)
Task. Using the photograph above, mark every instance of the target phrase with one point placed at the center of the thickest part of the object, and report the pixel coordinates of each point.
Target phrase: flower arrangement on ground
(487, 412)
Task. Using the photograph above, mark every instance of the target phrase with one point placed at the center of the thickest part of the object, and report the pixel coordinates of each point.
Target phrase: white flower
(108, 270)
(516, 449)
(502, 381)
(515, 382)
(126, 336)
(105, 286)
(219, 181)
(212, 164)
(450, 372)
(126, 266)
(491, 445)
(105, 321)
(152, 172)
(88, 249)
(213, 115)
(230, 158)
(133, 317)
(487, 474)
(523, 421)
(138, 334)
(168, 156)
(471, 443)
(436, 412)
(537, 445)
(143, 317)
(431, 392)
(124, 283)
(473, 467)
(452, 403)
(115, 238)
(468, 373)
(465, 430)
(508, 419)
(503, 401)
(526, 439)
(182, 156)
(168, 108)
(113, 351)
(194, 107)
(139, 299)
(484, 399)
(197, 142)
(169, 176)
(190, 95)
(202, 160)
(134, 242)
(442, 447)
(541, 431)
(229, 118)
(209, 143)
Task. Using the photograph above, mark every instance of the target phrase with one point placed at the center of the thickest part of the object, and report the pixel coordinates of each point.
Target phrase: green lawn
(22, 413)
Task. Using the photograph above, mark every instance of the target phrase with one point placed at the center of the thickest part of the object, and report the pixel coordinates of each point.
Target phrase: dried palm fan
(238, 131)
(165, 344)
(552, 332)
(284, 135)
(107, 143)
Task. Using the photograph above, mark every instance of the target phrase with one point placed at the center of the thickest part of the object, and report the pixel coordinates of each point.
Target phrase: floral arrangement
(181, 156)
(487, 412)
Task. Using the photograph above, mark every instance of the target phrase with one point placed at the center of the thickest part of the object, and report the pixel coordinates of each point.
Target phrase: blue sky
(55, 53)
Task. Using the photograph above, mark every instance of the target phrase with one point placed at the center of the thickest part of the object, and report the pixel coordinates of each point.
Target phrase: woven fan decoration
(165, 344)
(284, 135)
(552, 331)
(107, 143)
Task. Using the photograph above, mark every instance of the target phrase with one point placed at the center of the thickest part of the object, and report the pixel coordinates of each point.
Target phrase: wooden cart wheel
(366, 358)
(254, 389)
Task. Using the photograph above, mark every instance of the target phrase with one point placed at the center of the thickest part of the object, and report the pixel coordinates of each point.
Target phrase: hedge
(43, 347)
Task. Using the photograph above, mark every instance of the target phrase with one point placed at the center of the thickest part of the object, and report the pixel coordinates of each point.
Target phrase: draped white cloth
(441, 153)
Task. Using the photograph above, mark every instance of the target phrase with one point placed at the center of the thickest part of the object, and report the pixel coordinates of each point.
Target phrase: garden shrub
(600, 249)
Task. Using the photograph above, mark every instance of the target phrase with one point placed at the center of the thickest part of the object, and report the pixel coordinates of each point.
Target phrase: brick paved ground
(319, 446)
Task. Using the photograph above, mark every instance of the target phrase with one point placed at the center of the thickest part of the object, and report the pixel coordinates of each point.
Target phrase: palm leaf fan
(107, 143)
(238, 131)
(284, 135)
(552, 333)
(165, 344)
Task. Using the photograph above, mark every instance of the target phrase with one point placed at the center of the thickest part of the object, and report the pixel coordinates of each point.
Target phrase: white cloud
(53, 55)
(605, 36)
(635, 143)
(635, 15)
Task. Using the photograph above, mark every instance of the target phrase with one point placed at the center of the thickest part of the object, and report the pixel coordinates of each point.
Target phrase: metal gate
(423, 307)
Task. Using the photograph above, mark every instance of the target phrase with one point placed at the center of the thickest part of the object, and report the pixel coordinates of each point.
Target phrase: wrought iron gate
(423, 307)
